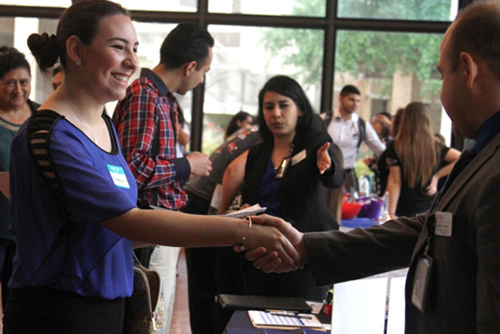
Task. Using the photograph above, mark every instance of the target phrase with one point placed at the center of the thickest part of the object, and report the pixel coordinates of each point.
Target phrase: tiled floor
(180, 317)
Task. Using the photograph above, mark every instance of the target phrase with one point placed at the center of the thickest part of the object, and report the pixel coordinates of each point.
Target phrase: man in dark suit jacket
(459, 238)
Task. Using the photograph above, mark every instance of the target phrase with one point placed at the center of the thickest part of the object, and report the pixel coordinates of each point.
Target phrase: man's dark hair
(477, 32)
(349, 89)
(186, 43)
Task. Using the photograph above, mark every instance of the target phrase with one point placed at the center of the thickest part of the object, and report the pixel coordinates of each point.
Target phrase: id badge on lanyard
(421, 283)
(440, 224)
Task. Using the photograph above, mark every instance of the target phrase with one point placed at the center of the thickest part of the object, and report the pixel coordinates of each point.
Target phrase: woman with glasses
(15, 108)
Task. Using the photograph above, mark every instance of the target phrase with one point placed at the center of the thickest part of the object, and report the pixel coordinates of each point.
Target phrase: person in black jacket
(288, 173)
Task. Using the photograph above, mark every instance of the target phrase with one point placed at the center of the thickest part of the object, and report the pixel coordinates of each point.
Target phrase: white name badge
(299, 157)
(118, 176)
(444, 224)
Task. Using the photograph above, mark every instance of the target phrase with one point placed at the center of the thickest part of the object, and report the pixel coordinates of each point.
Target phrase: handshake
(273, 245)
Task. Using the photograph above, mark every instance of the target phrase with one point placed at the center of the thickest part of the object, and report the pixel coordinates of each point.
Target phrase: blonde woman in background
(413, 159)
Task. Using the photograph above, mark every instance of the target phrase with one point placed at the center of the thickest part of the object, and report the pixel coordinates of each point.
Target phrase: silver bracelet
(244, 238)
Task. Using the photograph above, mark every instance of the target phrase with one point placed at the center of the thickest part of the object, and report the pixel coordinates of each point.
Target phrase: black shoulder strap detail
(39, 129)
(362, 131)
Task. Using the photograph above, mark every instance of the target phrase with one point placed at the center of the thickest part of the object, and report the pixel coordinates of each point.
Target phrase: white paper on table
(359, 306)
(396, 315)
(269, 319)
(251, 210)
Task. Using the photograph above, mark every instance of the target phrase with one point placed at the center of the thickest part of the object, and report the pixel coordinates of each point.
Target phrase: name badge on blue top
(118, 176)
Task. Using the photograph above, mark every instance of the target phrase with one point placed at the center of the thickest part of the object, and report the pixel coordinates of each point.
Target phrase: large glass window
(248, 53)
(266, 7)
(428, 10)
(391, 70)
(244, 59)
(37, 3)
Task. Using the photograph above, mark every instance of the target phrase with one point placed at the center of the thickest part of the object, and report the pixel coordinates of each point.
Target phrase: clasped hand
(274, 245)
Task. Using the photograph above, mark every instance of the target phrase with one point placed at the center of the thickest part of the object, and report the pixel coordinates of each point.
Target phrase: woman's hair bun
(44, 49)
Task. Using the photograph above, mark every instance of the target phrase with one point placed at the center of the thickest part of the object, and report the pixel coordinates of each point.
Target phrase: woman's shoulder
(43, 121)
(391, 155)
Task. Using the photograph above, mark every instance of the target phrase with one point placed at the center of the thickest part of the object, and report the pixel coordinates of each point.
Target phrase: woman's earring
(78, 62)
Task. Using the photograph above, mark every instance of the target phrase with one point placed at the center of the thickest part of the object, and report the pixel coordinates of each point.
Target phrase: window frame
(330, 24)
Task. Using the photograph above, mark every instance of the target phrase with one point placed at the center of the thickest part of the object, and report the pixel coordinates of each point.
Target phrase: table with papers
(240, 323)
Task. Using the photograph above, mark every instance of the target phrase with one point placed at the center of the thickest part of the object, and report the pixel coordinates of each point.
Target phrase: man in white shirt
(348, 130)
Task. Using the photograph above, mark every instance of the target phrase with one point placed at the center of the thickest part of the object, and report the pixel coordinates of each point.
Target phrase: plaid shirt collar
(157, 81)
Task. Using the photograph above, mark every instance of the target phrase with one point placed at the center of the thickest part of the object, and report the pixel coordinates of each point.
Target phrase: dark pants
(200, 265)
(7, 251)
(211, 271)
(229, 280)
(53, 311)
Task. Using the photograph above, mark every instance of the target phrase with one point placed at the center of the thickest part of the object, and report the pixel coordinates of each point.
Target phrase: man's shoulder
(141, 88)
(355, 117)
(141, 85)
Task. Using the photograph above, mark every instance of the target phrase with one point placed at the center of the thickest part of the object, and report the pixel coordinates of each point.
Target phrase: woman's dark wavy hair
(82, 20)
(11, 59)
(290, 88)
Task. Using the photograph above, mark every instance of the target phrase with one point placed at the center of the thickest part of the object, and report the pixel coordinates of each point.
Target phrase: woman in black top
(287, 173)
(414, 159)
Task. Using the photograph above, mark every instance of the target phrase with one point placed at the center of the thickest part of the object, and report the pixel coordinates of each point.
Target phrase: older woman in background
(15, 108)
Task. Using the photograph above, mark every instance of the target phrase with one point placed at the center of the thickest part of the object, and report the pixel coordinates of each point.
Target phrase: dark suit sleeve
(337, 257)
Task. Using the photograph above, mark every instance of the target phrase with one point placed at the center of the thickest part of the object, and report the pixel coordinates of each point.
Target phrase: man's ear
(74, 48)
(189, 68)
(471, 68)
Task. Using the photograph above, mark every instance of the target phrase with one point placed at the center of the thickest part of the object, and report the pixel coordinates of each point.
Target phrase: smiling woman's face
(15, 89)
(111, 59)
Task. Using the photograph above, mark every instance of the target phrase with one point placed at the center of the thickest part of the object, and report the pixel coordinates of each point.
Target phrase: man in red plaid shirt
(146, 124)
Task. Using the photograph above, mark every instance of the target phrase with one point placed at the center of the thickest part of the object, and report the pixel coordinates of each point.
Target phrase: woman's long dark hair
(415, 145)
(233, 126)
(290, 88)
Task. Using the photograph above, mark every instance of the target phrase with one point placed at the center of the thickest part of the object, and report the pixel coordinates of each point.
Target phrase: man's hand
(269, 259)
(324, 161)
(200, 164)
